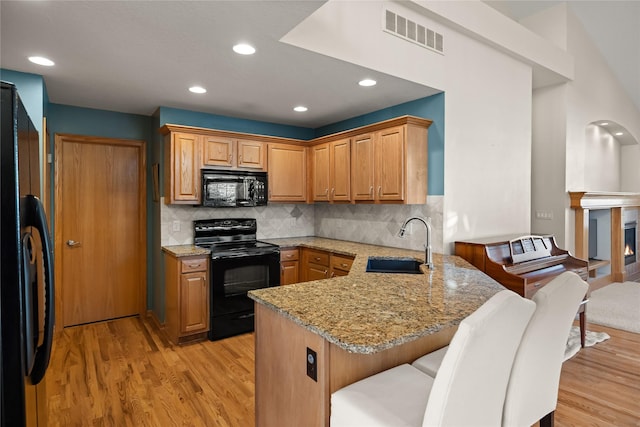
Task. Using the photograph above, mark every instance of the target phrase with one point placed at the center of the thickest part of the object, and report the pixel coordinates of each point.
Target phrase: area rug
(616, 305)
(590, 339)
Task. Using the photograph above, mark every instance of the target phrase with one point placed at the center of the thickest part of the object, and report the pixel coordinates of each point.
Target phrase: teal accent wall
(32, 92)
(102, 123)
(212, 121)
(431, 107)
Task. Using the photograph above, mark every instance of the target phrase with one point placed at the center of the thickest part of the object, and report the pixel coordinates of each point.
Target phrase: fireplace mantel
(582, 202)
(603, 200)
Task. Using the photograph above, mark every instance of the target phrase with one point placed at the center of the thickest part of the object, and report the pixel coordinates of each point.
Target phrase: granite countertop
(370, 312)
(180, 251)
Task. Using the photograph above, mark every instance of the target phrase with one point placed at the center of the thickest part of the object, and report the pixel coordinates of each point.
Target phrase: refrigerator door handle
(43, 352)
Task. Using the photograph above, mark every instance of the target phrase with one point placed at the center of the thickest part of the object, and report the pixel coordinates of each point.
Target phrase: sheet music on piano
(527, 248)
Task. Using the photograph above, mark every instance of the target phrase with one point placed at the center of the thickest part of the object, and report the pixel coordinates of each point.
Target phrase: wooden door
(362, 167)
(218, 151)
(251, 154)
(100, 228)
(340, 170)
(287, 173)
(390, 164)
(320, 172)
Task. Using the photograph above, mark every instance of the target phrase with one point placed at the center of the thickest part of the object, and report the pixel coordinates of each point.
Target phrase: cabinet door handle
(343, 265)
(325, 272)
(371, 190)
(379, 191)
(317, 258)
(194, 265)
(333, 193)
(333, 274)
(72, 243)
(239, 158)
(326, 191)
(230, 158)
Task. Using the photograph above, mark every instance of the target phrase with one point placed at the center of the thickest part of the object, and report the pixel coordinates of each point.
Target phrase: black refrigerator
(26, 270)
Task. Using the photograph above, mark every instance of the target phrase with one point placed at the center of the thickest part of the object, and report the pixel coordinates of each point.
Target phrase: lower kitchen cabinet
(186, 298)
(315, 265)
(318, 264)
(340, 265)
(289, 266)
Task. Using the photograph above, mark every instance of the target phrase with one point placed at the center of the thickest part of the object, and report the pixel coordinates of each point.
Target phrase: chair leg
(583, 326)
(547, 420)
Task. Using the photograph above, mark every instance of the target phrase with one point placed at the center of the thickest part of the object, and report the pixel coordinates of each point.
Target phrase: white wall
(630, 165)
(602, 160)
(592, 162)
(487, 105)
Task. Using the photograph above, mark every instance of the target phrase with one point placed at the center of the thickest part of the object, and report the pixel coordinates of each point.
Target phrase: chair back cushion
(533, 387)
(470, 386)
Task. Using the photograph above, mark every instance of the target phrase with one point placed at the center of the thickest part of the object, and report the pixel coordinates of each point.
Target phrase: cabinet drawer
(341, 262)
(317, 257)
(289, 254)
(194, 264)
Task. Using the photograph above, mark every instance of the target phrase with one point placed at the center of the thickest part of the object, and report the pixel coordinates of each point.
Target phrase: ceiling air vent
(413, 32)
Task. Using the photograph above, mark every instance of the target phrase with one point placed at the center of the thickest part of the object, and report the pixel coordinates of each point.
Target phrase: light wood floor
(125, 373)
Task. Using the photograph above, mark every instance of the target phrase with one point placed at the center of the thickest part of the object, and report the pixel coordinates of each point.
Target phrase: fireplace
(630, 242)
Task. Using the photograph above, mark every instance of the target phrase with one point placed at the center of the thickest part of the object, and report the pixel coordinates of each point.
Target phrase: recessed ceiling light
(197, 89)
(300, 109)
(244, 49)
(367, 82)
(41, 60)
(604, 123)
(619, 133)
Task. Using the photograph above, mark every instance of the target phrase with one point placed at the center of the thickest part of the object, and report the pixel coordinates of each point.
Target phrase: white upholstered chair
(532, 393)
(469, 389)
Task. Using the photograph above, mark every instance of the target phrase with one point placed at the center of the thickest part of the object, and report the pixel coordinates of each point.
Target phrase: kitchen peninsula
(313, 338)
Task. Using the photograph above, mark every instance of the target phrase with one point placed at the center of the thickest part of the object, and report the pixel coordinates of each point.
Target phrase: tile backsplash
(374, 224)
(275, 220)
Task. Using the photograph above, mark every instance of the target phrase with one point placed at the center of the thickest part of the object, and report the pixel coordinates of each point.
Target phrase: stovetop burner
(230, 237)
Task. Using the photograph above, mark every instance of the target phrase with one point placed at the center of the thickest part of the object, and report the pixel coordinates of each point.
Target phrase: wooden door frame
(142, 216)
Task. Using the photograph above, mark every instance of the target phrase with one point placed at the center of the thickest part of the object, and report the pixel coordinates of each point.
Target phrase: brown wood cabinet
(340, 265)
(289, 266)
(390, 165)
(315, 264)
(219, 151)
(385, 162)
(186, 297)
(287, 167)
(182, 168)
(331, 166)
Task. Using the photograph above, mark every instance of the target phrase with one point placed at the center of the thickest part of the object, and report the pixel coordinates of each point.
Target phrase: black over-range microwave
(226, 188)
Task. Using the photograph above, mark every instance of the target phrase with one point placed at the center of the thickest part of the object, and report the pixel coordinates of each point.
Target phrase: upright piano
(523, 264)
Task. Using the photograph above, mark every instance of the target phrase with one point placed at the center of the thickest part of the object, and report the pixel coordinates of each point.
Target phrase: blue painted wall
(213, 121)
(431, 107)
(32, 92)
(88, 121)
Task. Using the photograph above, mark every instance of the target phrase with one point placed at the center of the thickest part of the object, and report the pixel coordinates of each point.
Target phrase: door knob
(72, 243)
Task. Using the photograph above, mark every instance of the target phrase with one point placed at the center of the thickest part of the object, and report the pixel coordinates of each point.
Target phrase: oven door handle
(246, 316)
(245, 255)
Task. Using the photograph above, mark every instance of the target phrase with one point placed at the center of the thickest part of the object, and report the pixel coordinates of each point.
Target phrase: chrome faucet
(427, 250)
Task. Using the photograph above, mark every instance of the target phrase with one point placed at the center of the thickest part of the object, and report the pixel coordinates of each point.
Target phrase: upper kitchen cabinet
(331, 166)
(182, 168)
(287, 167)
(219, 151)
(389, 165)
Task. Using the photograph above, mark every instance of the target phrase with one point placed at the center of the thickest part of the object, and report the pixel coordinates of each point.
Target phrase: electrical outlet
(176, 225)
(544, 215)
(312, 365)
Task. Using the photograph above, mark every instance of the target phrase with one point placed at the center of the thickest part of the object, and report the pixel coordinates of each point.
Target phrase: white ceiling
(134, 56)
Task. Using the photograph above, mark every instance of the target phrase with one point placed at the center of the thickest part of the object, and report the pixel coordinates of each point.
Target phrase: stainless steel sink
(393, 265)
